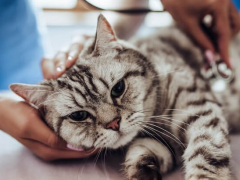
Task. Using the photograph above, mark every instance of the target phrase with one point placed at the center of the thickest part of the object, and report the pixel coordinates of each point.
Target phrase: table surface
(18, 163)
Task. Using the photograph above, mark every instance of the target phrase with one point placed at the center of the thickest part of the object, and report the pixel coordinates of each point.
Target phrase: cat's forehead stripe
(104, 83)
(80, 93)
(76, 102)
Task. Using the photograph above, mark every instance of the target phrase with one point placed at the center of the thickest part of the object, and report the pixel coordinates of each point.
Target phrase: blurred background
(33, 29)
(67, 18)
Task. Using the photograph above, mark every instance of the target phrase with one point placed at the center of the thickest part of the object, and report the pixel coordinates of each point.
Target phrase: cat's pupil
(79, 115)
(118, 89)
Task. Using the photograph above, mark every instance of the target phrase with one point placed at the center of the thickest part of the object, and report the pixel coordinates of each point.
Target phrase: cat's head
(103, 100)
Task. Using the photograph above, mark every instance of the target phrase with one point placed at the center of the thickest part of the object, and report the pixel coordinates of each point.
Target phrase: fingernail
(70, 58)
(69, 146)
(72, 55)
(60, 68)
(209, 56)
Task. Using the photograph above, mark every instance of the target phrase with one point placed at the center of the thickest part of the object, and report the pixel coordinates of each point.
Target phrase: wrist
(3, 103)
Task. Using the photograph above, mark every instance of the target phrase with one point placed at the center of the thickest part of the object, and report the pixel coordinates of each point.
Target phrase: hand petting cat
(226, 23)
(26, 126)
(64, 59)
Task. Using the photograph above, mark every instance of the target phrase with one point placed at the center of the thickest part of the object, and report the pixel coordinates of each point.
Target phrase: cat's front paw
(145, 169)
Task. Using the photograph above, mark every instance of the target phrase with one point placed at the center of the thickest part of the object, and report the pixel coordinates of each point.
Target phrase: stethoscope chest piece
(219, 75)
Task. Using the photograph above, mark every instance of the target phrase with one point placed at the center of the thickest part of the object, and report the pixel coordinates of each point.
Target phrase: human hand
(189, 15)
(54, 68)
(23, 123)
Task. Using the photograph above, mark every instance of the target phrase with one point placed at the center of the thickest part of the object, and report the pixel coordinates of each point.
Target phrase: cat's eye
(79, 115)
(118, 89)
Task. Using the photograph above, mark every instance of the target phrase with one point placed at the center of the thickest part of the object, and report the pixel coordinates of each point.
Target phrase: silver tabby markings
(147, 94)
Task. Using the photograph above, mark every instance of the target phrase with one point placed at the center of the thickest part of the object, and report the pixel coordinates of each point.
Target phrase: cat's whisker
(79, 177)
(157, 132)
(167, 118)
(84, 166)
(169, 147)
(154, 122)
(173, 122)
(147, 123)
(104, 164)
(165, 132)
(143, 110)
(93, 151)
(170, 115)
(179, 141)
(182, 111)
(100, 141)
(167, 124)
(145, 130)
(97, 156)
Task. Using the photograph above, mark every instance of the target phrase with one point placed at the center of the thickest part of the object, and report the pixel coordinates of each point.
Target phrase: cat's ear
(34, 94)
(105, 36)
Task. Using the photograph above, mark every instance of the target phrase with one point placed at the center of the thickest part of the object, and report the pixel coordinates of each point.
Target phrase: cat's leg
(198, 121)
(208, 153)
(147, 159)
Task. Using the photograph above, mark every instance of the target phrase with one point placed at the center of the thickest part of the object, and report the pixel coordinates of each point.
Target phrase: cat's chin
(124, 139)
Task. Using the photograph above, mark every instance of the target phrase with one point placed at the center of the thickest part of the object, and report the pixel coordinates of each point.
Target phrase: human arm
(64, 59)
(23, 123)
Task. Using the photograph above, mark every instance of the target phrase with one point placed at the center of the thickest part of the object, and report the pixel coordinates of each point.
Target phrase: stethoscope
(218, 75)
(216, 72)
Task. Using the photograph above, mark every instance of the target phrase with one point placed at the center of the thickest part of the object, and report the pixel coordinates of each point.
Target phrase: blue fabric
(237, 3)
(20, 45)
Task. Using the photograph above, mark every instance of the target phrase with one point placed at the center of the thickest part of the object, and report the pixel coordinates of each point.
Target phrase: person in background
(237, 3)
(21, 44)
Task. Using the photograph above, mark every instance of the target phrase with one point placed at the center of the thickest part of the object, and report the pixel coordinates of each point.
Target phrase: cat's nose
(114, 125)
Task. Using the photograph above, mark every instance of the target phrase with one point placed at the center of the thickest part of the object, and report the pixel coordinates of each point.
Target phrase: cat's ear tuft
(34, 94)
(105, 36)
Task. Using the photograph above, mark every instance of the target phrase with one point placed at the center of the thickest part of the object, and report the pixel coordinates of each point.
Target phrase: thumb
(55, 142)
(37, 130)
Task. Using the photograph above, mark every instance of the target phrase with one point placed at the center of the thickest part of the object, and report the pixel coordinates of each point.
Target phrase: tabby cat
(147, 94)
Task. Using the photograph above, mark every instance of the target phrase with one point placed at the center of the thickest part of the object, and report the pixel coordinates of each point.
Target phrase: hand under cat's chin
(81, 148)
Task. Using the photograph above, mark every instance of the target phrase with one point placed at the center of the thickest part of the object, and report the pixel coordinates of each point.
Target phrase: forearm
(2, 102)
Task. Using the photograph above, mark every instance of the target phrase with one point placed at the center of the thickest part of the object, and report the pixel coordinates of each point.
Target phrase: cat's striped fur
(168, 112)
